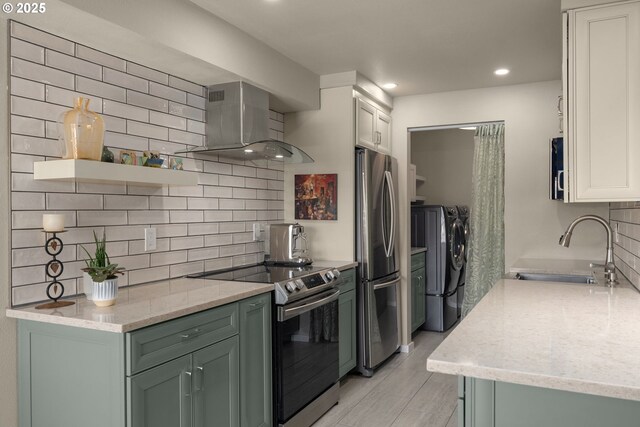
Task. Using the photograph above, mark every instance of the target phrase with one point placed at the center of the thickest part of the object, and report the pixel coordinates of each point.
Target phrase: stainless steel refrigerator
(378, 256)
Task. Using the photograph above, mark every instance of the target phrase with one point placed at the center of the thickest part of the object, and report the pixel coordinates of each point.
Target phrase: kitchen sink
(564, 278)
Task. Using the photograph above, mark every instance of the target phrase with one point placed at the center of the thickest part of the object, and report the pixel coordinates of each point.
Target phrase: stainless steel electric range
(305, 344)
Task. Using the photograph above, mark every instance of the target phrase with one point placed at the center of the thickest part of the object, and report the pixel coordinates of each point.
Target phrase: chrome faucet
(609, 265)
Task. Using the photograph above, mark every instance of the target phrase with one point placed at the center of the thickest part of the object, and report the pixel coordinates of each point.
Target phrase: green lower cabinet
(209, 369)
(69, 376)
(216, 378)
(347, 331)
(256, 390)
(498, 404)
(417, 298)
(161, 396)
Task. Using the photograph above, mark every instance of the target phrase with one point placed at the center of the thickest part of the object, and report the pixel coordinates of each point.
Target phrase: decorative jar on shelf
(82, 131)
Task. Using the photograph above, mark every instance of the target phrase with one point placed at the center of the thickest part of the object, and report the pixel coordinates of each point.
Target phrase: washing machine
(463, 215)
(439, 229)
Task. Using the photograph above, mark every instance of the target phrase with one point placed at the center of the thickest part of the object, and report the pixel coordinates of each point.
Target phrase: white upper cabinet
(373, 127)
(602, 89)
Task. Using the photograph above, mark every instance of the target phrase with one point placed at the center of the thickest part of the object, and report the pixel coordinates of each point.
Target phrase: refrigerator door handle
(392, 199)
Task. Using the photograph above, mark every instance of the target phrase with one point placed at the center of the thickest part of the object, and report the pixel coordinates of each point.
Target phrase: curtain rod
(454, 126)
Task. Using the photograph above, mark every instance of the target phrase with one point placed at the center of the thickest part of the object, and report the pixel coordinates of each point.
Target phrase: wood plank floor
(400, 394)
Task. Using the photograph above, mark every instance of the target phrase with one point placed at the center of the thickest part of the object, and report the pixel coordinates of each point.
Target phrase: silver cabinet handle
(199, 378)
(190, 334)
(256, 304)
(187, 379)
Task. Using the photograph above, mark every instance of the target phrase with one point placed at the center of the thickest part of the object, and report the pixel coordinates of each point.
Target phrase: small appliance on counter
(556, 169)
(288, 245)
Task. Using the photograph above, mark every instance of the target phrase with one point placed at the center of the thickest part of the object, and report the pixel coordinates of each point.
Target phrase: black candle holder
(54, 269)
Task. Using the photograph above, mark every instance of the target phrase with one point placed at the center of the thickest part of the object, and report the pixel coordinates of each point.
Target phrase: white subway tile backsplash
(125, 80)
(56, 95)
(186, 86)
(147, 73)
(147, 101)
(167, 120)
(167, 92)
(100, 89)
(92, 218)
(72, 65)
(203, 226)
(126, 202)
(188, 138)
(36, 109)
(196, 101)
(128, 142)
(167, 203)
(41, 38)
(177, 217)
(27, 201)
(148, 217)
(146, 130)
(148, 275)
(38, 256)
(119, 109)
(178, 243)
(28, 51)
(27, 126)
(186, 111)
(101, 58)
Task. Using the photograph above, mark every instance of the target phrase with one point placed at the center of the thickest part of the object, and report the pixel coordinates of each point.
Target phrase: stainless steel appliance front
(377, 254)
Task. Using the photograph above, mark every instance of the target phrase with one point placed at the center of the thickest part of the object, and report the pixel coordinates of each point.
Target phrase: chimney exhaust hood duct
(238, 126)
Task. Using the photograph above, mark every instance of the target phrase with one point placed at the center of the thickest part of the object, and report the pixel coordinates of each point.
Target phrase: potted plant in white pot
(103, 273)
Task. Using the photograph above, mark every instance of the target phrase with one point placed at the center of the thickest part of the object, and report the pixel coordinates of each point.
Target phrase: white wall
(445, 158)
(327, 136)
(8, 401)
(533, 223)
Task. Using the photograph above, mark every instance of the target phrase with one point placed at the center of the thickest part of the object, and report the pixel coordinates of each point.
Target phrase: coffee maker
(288, 245)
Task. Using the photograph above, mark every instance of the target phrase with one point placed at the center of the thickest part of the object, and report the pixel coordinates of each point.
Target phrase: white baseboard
(407, 348)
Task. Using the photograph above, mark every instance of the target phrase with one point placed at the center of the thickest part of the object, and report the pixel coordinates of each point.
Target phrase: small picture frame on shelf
(177, 164)
(128, 158)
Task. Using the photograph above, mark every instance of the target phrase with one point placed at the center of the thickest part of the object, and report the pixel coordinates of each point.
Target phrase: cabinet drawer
(348, 280)
(417, 261)
(156, 344)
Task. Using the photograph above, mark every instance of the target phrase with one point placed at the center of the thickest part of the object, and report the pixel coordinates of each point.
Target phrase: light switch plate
(150, 239)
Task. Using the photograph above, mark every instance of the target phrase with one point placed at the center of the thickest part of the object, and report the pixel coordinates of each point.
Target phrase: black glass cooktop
(260, 273)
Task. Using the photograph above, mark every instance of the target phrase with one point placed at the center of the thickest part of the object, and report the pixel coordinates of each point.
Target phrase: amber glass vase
(82, 131)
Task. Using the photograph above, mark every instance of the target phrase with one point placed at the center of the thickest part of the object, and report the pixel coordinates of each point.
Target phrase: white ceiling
(425, 46)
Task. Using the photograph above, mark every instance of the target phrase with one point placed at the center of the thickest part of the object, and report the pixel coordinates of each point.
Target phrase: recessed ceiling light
(468, 128)
(501, 72)
(390, 85)
(279, 156)
(248, 150)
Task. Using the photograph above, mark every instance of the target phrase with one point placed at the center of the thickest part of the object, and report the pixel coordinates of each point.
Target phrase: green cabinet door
(347, 331)
(161, 396)
(417, 298)
(216, 378)
(255, 362)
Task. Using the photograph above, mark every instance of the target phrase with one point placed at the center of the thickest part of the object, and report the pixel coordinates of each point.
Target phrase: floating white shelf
(420, 198)
(420, 179)
(93, 171)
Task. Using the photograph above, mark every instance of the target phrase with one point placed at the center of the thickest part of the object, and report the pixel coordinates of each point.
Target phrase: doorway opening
(457, 196)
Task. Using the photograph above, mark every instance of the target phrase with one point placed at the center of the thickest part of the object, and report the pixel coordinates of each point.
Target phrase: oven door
(306, 347)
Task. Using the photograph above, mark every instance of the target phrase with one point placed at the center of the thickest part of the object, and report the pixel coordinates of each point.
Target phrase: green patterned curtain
(485, 263)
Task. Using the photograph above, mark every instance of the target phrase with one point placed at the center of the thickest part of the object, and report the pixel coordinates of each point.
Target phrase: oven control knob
(330, 276)
(300, 284)
(290, 287)
(336, 273)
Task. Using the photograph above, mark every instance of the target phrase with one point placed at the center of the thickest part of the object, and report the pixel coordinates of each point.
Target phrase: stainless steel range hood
(238, 126)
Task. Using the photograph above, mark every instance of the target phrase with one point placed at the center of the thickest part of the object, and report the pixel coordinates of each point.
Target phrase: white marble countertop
(145, 305)
(573, 337)
(417, 250)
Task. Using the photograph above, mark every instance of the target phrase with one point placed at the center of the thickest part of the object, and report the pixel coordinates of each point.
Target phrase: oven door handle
(288, 313)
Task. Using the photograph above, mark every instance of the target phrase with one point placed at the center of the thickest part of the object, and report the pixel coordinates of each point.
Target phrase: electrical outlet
(258, 229)
(150, 239)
